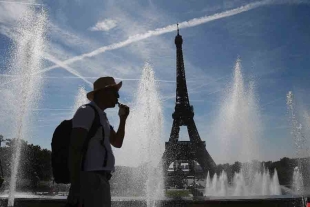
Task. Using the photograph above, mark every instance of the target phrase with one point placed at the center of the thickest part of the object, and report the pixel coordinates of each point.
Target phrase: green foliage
(32, 159)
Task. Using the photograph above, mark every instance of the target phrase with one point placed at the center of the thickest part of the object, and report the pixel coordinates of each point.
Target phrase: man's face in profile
(109, 96)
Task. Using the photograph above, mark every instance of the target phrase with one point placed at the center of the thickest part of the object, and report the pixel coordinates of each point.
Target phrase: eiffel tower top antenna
(178, 39)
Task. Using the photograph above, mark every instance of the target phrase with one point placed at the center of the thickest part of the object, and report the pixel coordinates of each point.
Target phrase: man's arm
(117, 138)
(78, 136)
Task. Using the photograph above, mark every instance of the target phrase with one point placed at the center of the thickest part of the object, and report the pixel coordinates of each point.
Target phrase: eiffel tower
(179, 151)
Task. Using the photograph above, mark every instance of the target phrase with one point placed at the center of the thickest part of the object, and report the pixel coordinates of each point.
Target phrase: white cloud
(104, 25)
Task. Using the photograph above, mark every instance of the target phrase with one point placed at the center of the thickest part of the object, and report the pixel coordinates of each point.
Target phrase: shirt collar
(97, 107)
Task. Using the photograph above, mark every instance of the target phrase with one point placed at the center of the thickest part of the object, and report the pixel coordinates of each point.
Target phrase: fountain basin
(265, 201)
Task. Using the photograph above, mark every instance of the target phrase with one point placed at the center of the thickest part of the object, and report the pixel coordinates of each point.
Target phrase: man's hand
(116, 138)
(123, 111)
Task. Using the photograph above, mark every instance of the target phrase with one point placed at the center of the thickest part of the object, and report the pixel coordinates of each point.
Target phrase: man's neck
(100, 105)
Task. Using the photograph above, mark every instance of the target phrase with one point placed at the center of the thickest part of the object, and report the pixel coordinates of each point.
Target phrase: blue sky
(272, 38)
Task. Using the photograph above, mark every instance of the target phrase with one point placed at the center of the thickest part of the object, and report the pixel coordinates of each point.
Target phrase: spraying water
(239, 116)
(143, 146)
(300, 130)
(298, 140)
(150, 119)
(260, 184)
(297, 181)
(80, 99)
(306, 116)
(22, 96)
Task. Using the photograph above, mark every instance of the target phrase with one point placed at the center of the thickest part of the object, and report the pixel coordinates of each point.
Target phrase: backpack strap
(105, 161)
(91, 133)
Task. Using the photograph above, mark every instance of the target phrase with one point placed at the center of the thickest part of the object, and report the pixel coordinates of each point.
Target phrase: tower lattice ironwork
(195, 149)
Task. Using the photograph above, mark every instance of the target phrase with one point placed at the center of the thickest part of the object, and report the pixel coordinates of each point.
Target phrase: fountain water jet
(143, 146)
(259, 184)
(21, 97)
(300, 130)
(80, 99)
(239, 116)
(297, 183)
(149, 110)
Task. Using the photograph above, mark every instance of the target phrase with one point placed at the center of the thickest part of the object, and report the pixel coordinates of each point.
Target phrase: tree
(32, 159)
(236, 167)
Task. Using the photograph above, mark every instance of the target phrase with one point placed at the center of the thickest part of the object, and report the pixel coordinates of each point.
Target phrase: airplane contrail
(19, 2)
(56, 62)
(163, 30)
(70, 70)
(89, 77)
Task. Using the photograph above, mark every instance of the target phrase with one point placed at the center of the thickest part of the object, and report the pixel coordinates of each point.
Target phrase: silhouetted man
(90, 187)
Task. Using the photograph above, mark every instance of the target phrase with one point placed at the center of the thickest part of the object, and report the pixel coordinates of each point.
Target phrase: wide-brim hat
(103, 83)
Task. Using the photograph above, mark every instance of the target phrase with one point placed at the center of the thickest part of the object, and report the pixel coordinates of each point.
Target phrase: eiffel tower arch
(195, 149)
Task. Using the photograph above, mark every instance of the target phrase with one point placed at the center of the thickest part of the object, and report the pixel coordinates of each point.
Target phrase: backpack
(61, 144)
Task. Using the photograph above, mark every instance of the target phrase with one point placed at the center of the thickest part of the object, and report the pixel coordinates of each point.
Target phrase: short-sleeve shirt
(95, 155)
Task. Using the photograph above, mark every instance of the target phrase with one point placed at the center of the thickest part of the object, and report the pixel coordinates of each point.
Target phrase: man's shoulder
(83, 117)
(84, 110)
(85, 107)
